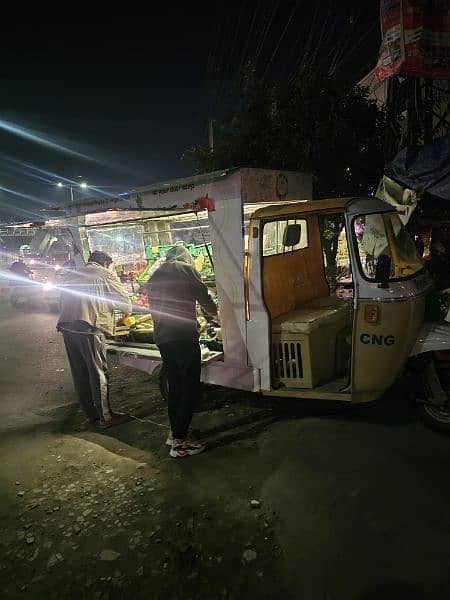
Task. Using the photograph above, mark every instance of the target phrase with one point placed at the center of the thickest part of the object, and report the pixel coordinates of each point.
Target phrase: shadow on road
(224, 417)
(395, 408)
(394, 591)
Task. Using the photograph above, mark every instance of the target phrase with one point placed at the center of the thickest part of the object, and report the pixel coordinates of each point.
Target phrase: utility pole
(418, 112)
(211, 135)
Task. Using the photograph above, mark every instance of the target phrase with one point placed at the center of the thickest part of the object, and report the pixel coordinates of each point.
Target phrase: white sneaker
(181, 449)
(169, 440)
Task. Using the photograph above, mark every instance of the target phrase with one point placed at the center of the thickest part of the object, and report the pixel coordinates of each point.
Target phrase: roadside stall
(208, 215)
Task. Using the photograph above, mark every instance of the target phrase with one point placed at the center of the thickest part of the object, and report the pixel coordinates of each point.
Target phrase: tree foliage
(316, 125)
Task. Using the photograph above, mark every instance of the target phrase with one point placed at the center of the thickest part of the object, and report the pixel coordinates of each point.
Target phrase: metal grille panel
(287, 360)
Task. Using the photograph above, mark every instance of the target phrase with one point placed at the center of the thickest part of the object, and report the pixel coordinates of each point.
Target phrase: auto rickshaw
(343, 337)
(318, 299)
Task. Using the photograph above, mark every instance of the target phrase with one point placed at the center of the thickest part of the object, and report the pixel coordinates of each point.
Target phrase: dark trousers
(87, 358)
(182, 362)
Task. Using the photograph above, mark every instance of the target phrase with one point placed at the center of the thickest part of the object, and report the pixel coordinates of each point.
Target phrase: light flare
(39, 138)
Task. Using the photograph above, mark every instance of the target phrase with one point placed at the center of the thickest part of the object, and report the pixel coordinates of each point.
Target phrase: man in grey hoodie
(173, 291)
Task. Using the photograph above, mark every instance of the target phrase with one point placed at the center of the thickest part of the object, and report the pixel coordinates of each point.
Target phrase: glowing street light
(83, 185)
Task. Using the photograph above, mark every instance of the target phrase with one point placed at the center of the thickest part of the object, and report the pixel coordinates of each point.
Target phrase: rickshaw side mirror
(383, 270)
(292, 235)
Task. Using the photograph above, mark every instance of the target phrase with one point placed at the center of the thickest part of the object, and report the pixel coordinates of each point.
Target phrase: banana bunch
(138, 322)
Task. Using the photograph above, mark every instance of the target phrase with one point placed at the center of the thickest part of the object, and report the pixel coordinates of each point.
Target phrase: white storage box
(304, 342)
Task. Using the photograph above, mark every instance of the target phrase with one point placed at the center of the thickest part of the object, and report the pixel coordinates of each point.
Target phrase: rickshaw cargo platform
(214, 372)
(317, 298)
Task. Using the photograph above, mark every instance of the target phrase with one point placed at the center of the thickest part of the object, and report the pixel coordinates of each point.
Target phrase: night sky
(121, 92)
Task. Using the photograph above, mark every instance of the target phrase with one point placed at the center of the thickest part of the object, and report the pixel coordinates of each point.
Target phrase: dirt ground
(352, 503)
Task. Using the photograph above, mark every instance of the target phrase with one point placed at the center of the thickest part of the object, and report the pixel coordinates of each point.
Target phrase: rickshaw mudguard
(433, 336)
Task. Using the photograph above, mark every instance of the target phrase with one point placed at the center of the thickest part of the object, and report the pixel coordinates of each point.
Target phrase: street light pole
(83, 185)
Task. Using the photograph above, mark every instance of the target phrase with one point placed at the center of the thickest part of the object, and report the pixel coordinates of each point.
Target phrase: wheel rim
(438, 414)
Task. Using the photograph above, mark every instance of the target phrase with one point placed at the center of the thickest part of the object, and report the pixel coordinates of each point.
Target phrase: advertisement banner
(392, 51)
(415, 39)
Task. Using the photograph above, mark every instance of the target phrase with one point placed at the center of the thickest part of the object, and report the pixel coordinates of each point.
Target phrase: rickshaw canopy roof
(352, 206)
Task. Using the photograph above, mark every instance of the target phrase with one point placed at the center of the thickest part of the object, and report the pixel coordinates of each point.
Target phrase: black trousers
(182, 362)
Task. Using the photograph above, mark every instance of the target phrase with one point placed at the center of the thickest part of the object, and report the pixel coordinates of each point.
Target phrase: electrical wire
(305, 53)
(236, 31)
(280, 39)
(355, 46)
(231, 54)
(324, 41)
(267, 29)
(247, 41)
(216, 61)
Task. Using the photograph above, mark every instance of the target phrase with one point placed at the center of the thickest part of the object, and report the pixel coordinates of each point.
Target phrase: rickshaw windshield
(383, 243)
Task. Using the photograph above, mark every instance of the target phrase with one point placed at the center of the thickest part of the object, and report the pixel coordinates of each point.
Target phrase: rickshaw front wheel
(435, 410)
(436, 417)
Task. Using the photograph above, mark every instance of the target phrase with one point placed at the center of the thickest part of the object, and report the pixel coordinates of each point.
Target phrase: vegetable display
(139, 327)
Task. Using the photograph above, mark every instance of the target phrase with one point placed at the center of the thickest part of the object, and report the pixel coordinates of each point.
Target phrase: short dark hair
(100, 258)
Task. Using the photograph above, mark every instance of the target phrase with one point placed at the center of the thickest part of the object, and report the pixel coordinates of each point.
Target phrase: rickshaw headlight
(371, 313)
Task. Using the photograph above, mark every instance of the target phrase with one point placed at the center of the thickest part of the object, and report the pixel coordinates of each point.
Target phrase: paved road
(33, 369)
(355, 504)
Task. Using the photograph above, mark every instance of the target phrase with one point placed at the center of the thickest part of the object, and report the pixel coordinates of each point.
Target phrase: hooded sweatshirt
(173, 290)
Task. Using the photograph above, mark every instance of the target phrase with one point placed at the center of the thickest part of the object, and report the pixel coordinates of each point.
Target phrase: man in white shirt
(88, 300)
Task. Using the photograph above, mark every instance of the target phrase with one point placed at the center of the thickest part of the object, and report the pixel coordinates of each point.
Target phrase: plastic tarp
(402, 199)
(424, 168)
